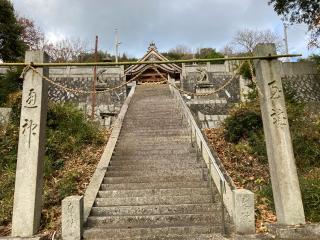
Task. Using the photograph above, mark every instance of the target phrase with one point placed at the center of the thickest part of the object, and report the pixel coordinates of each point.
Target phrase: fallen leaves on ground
(245, 170)
(84, 165)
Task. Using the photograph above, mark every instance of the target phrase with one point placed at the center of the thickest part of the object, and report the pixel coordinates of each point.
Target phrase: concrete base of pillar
(304, 231)
(244, 220)
(72, 218)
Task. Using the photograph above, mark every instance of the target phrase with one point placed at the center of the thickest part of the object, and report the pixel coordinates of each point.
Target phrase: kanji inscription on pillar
(278, 114)
(31, 101)
(274, 90)
(29, 129)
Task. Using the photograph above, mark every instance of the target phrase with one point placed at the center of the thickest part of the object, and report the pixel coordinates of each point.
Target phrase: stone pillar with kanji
(31, 148)
(283, 171)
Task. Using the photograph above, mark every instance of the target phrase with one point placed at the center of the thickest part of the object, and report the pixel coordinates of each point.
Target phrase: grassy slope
(74, 147)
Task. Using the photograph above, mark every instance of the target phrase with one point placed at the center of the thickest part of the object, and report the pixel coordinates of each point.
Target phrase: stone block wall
(303, 79)
(210, 111)
(107, 105)
(218, 74)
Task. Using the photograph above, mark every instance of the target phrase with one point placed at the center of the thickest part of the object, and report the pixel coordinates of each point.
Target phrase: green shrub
(310, 191)
(6, 195)
(8, 146)
(258, 145)
(245, 123)
(9, 83)
(67, 185)
(245, 71)
(242, 124)
(68, 131)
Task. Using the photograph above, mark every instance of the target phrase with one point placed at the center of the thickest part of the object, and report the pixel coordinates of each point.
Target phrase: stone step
(149, 179)
(155, 154)
(152, 220)
(152, 160)
(149, 126)
(163, 105)
(163, 142)
(153, 192)
(162, 119)
(118, 161)
(164, 114)
(169, 166)
(215, 236)
(156, 209)
(154, 185)
(155, 200)
(131, 233)
(168, 114)
(156, 128)
(162, 146)
(151, 153)
(154, 134)
(138, 147)
(154, 109)
(155, 173)
(153, 139)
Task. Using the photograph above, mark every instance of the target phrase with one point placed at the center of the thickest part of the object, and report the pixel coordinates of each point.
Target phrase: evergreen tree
(301, 11)
(11, 45)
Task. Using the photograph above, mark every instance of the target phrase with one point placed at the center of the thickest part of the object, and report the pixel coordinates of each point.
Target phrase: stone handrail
(238, 202)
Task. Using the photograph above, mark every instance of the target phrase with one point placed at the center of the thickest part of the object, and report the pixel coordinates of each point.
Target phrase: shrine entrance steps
(155, 186)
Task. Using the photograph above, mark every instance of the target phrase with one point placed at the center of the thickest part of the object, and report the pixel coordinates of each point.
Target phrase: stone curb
(97, 178)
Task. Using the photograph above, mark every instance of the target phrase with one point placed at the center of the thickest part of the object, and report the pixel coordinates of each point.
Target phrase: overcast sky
(194, 23)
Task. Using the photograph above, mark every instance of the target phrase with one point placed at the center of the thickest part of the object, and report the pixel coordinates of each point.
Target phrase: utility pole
(117, 43)
(285, 29)
(94, 79)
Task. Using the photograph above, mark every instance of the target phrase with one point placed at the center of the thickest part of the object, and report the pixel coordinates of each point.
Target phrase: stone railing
(239, 203)
(76, 209)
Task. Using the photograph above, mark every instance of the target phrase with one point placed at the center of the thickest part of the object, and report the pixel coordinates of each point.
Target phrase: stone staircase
(155, 186)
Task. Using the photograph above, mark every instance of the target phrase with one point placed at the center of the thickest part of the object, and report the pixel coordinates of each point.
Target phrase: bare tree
(227, 50)
(181, 49)
(246, 40)
(66, 50)
(31, 35)
(179, 52)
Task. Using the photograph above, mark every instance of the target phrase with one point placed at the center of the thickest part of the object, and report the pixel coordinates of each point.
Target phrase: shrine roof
(153, 55)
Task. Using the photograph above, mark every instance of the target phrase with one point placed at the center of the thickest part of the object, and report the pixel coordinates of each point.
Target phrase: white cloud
(196, 23)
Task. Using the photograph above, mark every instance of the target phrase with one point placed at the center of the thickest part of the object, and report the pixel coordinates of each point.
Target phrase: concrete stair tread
(155, 209)
(152, 220)
(211, 236)
(151, 164)
(153, 200)
(141, 167)
(153, 192)
(167, 185)
(155, 157)
(155, 173)
(149, 179)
